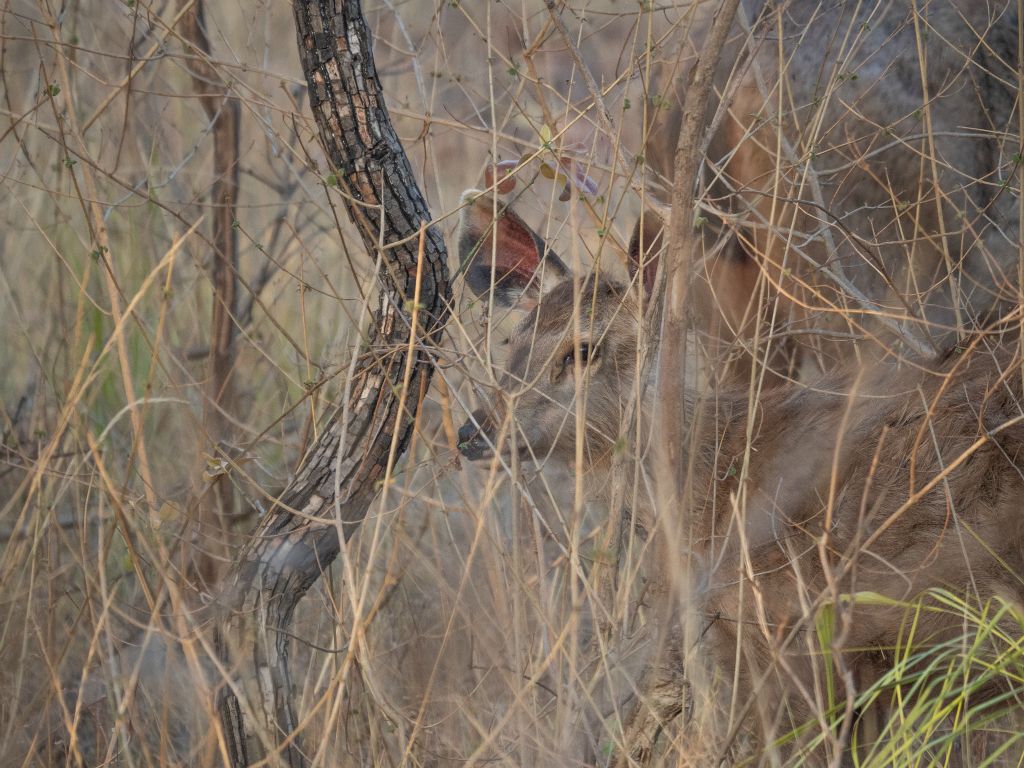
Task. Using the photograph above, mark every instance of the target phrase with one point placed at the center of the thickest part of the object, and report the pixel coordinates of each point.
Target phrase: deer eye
(586, 355)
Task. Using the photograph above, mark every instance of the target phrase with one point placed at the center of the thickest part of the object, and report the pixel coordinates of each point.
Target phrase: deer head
(573, 351)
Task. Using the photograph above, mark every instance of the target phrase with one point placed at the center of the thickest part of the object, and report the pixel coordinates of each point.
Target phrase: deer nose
(472, 440)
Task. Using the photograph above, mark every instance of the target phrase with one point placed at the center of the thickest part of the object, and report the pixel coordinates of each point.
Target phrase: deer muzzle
(473, 437)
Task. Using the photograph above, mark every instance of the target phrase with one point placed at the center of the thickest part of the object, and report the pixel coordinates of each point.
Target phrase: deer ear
(523, 266)
(645, 248)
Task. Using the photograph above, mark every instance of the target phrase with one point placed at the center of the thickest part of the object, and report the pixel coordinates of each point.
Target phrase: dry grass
(460, 626)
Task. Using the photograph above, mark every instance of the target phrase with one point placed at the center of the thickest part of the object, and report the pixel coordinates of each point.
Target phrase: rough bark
(288, 551)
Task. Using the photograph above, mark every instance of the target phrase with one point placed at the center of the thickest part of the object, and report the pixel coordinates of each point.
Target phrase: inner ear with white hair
(502, 256)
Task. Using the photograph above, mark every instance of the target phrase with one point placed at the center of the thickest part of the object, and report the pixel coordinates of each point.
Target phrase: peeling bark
(288, 552)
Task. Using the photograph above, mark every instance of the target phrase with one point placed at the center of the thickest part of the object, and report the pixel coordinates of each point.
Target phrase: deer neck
(714, 429)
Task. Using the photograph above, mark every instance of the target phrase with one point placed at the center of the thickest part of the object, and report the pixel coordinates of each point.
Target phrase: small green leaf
(215, 468)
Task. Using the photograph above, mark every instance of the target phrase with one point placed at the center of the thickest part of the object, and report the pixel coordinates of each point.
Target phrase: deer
(857, 181)
(862, 490)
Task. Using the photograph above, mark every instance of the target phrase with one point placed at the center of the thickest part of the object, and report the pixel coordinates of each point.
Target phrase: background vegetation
(139, 446)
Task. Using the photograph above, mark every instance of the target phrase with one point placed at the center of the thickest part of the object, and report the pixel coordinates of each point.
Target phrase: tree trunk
(288, 552)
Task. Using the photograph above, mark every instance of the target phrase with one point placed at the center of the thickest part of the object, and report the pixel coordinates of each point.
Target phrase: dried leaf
(169, 511)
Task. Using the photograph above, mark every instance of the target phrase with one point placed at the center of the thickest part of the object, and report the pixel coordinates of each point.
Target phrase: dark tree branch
(288, 552)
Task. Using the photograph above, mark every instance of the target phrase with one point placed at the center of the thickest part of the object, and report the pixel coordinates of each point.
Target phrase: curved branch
(289, 551)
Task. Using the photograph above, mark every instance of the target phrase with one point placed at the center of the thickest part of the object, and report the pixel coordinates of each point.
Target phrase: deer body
(884, 483)
(856, 197)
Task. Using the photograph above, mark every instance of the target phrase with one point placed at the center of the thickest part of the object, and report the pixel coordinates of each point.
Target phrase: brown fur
(844, 161)
(889, 482)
